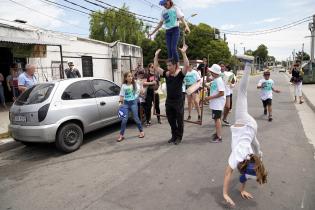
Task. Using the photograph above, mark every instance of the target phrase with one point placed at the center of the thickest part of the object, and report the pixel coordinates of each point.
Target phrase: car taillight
(42, 112)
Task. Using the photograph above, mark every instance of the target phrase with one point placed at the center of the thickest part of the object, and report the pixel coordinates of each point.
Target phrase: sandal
(121, 138)
(141, 136)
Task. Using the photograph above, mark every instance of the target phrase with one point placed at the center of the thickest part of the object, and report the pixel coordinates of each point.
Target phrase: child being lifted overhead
(170, 16)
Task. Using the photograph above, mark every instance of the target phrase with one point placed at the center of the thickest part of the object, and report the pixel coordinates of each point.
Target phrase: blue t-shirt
(129, 93)
(25, 80)
(170, 16)
(191, 77)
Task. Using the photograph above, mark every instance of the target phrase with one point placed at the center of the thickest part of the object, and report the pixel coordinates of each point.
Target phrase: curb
(8, 144)
(4, 135)
(308, 102)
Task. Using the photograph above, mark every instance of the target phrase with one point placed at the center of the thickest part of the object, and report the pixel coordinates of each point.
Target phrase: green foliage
(262, 52)
(306, 56)
(111, 25)
(249, 52)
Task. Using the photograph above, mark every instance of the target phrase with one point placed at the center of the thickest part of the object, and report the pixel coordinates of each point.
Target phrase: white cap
(215, 68)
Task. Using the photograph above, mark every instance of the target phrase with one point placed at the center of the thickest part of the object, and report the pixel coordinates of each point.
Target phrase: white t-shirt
(266, 88)
(242, 138)
(217, 85)
(227, 79)
(170, 17)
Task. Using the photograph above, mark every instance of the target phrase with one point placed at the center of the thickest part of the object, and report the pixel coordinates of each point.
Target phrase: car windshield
(35, 95)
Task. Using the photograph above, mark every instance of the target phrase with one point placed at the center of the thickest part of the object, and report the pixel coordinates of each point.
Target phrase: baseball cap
(215, 68)
(162, 2)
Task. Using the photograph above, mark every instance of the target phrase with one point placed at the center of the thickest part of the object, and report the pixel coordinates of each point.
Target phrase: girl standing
(246, 154)
(193, 78)
(129, 94)
(170, 16)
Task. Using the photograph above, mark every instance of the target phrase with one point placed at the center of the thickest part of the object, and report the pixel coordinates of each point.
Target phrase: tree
(306, 56)
(249, 52)
(111, 25)
(262, 52)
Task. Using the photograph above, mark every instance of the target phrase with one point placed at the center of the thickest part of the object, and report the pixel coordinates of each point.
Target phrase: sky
(236, 15)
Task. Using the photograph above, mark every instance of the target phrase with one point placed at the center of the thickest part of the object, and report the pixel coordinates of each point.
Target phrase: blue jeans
(131, 106)
(2, 99)
(172, 38)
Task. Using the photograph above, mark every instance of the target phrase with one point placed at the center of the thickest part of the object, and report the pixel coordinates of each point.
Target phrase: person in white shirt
(229, 81)
(246, 154)
(217, 100)
(266, 87)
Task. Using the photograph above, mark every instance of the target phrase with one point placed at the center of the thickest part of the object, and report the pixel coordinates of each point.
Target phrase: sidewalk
(4, 122)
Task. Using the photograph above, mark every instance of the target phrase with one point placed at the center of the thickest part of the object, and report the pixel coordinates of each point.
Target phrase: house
(21, 43)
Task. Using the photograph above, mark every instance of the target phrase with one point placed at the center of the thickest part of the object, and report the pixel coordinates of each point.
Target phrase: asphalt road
(151, 174)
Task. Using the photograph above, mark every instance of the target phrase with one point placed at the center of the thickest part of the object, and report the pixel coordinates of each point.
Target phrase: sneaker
(270, 118)
(189, 117)
(148, 124)
(226, 123)
(265, 111)
(172, 140)
(177, 141)
(216, 140)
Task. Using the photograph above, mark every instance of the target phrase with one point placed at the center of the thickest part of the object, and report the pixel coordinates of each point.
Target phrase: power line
(63, 21)
(62, 6)
(45, 29)
(152, 5)
(267, 30)
(120, 9)
(104, 7)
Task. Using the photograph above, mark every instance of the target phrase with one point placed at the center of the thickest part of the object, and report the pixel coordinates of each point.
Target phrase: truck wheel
(69, 137)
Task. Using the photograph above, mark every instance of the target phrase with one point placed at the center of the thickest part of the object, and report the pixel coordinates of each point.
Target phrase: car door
(107, 98)
(78, 102)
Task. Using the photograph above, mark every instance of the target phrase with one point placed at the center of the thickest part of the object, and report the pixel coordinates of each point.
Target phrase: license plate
(19, 118)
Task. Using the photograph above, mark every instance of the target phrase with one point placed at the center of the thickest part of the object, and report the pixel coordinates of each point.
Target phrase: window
(78, 90)
(87, 66)
(105, 88)
(35, 95)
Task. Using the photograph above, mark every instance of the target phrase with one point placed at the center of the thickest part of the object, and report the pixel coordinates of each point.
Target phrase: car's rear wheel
(69, 137)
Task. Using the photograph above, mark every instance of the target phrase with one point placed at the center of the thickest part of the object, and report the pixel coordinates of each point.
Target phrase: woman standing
(151, 84)
(297, 79)
(129, 94)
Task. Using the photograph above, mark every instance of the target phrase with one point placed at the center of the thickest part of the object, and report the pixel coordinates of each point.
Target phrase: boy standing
(266, 86)
(217, 100)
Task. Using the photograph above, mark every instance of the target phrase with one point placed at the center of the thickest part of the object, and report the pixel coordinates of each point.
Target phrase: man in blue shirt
(27, 78)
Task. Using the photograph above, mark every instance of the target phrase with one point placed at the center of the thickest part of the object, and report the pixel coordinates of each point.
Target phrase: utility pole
(302, 56)
(311, 26)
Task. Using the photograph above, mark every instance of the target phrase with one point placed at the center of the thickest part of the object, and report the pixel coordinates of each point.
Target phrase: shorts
(196, 91)
(267, 102)
(216, 114)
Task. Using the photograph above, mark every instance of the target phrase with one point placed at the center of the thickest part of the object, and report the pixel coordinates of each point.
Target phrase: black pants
(175, 117)
(157, 105)
(148, 100)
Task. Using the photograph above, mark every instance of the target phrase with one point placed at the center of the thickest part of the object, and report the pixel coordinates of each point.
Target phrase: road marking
(302, 204)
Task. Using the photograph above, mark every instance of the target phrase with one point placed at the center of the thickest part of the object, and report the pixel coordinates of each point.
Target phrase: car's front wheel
(69, 137)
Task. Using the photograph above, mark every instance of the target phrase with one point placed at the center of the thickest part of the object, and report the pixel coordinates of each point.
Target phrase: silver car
(63, 111)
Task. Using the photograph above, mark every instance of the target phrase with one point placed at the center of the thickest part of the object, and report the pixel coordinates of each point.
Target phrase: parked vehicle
(63, 111)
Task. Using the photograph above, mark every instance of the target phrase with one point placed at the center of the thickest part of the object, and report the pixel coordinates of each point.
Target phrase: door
(78, 102)
(87, 66)
(107, 98)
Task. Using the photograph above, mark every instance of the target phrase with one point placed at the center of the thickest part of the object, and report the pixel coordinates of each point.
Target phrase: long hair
(133, 82)
(260, 170)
